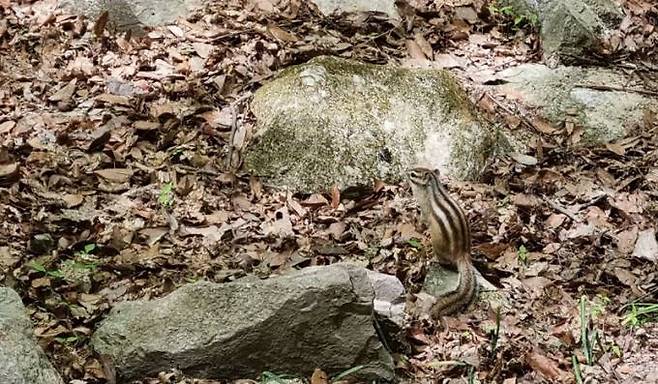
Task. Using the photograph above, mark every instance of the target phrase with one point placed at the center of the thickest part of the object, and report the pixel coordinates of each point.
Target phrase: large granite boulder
(132, 15)
(21, 359)
(338, 122)
(319, 317)
(604, 103)
(384, 6)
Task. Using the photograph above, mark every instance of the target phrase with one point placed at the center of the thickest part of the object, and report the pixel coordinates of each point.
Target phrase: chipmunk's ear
(436, 172)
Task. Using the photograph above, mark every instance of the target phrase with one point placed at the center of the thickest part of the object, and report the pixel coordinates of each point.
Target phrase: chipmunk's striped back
(451, 237)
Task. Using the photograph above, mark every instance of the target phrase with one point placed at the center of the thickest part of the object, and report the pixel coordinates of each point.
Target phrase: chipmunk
(450, 235)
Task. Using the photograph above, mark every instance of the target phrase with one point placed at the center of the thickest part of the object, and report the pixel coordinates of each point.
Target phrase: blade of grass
(348, 372)
(584, 331)
(576, 370)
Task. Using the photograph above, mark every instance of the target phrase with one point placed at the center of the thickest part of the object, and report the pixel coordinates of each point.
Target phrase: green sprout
(166, 197)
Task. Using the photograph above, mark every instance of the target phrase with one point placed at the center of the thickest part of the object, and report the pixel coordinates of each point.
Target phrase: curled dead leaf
(315, 200)
(543, 365)
(335, 196)
(113, 99)
(524, 159)
(281, 35)
(65, 93)
(9, 173)
(115, 175)
(72, 200)
(319, 377)
(101, 22)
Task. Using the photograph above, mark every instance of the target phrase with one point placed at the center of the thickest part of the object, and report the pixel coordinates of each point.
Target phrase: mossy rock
(338, 122)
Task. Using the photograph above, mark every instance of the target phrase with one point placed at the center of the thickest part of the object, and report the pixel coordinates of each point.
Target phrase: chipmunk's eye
(418, 176)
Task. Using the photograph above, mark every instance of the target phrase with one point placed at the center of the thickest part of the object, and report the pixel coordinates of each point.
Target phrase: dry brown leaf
(626, 240)
(414, 51)
(9, 173)
(143, 125)
(281, 226)
(101, 22)
(630, 203)
(337, 229)
(335, 196)
(316, 200)
(65, 93)
(525, 200)
(555, 220)
(524, 159)
(492, 251)
(176, 31)
(115, 175)
(153, 235)
(625, 276)
(72, 199)
(467, 14)
(543, 365)
(543, 126)
(113, 99)
(40, 282)
(378, 185)
(265, 5)
(448, 60)
(212, 234)
(616, 148)
(281, 35)
(256, 186)
(424, 45)
(295, 206)
(202, 49)
(319, 377)
(81, 66)
(7, 126)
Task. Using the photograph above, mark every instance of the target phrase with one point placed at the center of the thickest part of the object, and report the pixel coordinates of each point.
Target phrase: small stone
(41, 243)
(646, 246)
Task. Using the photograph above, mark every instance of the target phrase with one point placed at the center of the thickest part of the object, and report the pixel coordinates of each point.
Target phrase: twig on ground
(521, 116)
(561, 209)
(599, 87)
(234, 126)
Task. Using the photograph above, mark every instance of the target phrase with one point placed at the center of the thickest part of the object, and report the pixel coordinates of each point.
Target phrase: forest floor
(117, 182)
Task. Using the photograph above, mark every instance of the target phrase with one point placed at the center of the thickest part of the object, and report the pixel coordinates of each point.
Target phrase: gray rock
(334, 121)
(132, 14)
(316, 317)
(440, 281)
(567, 94)
(21, 359)
(389, 296)
(385, 6)
(569, 28)
(646, 246)
(41, 243)
(389, 305)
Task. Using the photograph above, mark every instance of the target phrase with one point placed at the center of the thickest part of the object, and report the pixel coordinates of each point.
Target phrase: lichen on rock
(333, 121)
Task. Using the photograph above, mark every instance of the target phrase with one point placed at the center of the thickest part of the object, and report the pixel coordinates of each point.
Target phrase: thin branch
(561, 209)
(599, 87)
